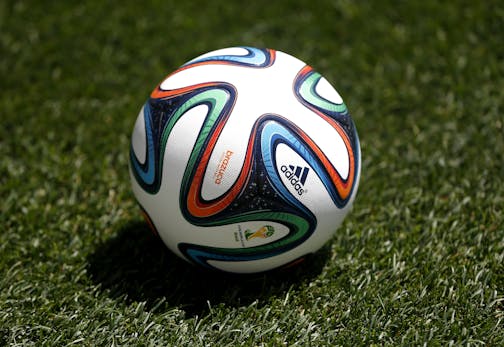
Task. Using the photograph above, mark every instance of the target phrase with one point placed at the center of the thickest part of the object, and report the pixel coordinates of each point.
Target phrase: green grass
(419, 260)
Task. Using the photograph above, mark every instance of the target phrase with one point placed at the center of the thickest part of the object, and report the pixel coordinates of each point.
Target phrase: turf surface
(419, 260)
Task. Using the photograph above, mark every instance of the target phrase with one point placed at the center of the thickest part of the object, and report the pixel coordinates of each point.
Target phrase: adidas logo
(296, 176)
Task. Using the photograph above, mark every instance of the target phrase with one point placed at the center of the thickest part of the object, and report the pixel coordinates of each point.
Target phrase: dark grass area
(419, 260)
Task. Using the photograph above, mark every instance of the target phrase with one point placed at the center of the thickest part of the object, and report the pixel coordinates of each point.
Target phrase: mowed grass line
(419, 260)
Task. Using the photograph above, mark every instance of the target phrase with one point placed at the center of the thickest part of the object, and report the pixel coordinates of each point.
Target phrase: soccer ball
(244, 160)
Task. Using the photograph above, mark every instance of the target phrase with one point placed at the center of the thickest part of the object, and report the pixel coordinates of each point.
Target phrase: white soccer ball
(244, 160)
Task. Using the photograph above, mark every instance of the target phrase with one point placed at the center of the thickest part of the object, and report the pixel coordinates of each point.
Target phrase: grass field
(418, 261)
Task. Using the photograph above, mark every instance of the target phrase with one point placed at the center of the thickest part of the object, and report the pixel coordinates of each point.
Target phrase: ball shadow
(136, 265)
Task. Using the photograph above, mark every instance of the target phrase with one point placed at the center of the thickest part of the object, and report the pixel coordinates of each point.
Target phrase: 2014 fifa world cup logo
(263, 232)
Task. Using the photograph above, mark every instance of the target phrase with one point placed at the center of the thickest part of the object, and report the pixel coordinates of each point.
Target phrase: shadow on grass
(136, 265)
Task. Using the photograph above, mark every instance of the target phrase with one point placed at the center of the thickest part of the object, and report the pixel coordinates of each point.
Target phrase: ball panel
(326, 91)
(253, 266)
(138, 138)
(331, 142)
(144, 170)
(299, 230)
(162, 206)
(231, 51)
(243, 56)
